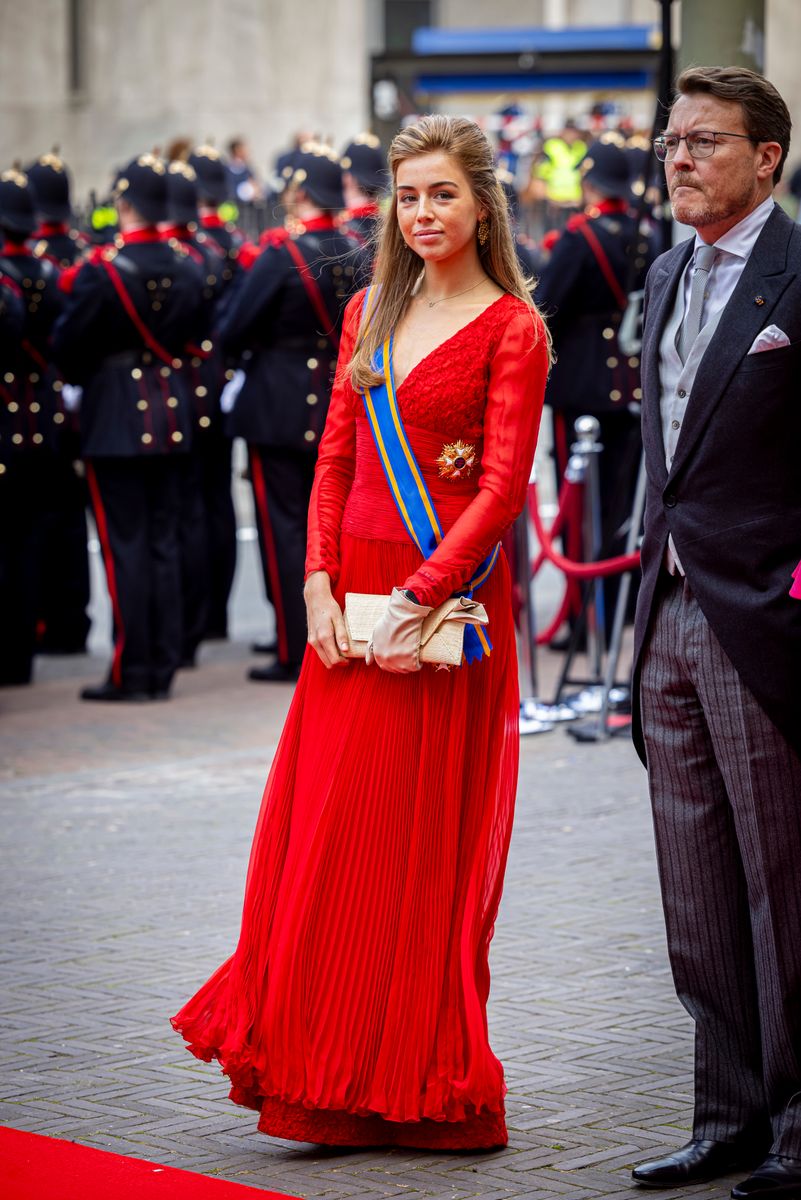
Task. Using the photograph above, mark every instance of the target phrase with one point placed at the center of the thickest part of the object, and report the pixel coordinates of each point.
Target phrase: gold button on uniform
(176, 362)
(312, 363)
(34, 378)
(311, 398)
(9, 377)
(634, 362)
(615, 394)
(611, 362)
(177, 436)
(637, 393)
(206, 345)
(165, 372)
(13, 407)
(35, 406)
(17, 439)
(229, 374)
(608, 333)
(172, 402)
(2, 468)
(142, 405)
(136, 373)
(58, 386)
(201, 391)
(38, 439)
(58, 418)
(309, 435)
(204, 422)
(147, 438)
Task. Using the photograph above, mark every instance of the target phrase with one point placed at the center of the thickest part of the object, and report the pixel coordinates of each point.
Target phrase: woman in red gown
(353, 1011)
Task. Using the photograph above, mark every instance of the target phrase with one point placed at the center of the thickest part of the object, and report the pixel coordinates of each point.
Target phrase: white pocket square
(770, 338)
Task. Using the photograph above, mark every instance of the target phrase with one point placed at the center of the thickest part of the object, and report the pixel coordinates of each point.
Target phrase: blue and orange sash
(408, 487)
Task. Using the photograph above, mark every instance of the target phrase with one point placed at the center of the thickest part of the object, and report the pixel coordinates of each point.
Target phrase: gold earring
(483, 231)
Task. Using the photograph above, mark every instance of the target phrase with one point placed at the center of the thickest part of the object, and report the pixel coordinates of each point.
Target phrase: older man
(718, 650)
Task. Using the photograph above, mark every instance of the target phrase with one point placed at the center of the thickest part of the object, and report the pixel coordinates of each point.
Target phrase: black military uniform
(213, 189)
(208, 521)
(31, 421)
(283, 326)
(366, 180)
(64, 621)
(582, 291)
(123, 338)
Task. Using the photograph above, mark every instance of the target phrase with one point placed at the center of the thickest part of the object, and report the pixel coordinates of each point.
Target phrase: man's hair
(765, 114)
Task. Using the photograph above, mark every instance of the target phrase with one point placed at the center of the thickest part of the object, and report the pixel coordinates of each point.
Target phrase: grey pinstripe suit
(718, 685)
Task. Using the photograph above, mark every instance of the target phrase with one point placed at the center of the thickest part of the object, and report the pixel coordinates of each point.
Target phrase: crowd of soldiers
(132, 359)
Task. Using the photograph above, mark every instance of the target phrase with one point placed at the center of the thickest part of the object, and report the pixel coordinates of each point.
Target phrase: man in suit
(718, 639)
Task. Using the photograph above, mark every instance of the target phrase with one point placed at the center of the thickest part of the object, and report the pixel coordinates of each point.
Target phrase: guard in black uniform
(213, 189)
(208, 524)
(31, 422)
(64, 621)
(582, 290)
(123, 338)
(54, 236)
(365, 179)
(283, 326)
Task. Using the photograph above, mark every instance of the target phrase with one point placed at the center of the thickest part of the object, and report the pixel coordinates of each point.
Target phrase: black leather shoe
(110, 692)
(696, 1162)
(275, 673)
(777, 1176)
(264, 647)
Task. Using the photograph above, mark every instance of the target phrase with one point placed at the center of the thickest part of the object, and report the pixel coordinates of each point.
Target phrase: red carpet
(42, 1168)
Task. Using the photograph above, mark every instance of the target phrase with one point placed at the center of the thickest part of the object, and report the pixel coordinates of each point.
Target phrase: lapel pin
(759, 300)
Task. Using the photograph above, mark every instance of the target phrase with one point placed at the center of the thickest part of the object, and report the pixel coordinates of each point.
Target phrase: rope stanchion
(568, 510)
(575, 570)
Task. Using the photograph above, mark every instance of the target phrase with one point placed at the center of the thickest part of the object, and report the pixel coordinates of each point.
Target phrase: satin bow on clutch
(442, 633)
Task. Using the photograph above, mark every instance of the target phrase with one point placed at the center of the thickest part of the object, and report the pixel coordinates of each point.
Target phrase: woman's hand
(395, 644)
(324, 621)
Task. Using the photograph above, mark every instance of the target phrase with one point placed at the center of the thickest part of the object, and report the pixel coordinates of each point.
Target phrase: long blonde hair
(398, 267)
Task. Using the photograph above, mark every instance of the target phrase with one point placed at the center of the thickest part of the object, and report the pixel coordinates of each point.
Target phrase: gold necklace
(442, 299)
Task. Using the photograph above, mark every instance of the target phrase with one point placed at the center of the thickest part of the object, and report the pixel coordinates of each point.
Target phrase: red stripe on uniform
(260, 496)
(111, 577)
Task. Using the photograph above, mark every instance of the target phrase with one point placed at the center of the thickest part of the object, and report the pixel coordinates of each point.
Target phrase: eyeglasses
(699, 145)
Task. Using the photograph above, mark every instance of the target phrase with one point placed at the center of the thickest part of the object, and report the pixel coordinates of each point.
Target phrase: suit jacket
(732, 496)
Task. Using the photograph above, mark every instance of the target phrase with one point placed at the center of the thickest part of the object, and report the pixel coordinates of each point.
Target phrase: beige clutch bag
(443, 628)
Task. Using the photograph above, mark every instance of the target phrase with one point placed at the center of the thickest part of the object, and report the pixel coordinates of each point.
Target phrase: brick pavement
(126, 834)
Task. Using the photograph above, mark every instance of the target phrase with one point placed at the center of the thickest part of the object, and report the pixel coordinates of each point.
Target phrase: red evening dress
(353, 1011)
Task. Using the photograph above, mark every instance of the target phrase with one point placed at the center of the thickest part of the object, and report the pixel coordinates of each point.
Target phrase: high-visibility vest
(560, 170)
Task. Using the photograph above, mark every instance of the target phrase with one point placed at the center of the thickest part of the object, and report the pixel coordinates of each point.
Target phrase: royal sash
(408, 487)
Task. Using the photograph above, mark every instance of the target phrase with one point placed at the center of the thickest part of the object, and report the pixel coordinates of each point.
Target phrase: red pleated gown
(353, 1010)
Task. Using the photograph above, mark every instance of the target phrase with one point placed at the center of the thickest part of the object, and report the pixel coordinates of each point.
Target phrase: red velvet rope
(575, 570)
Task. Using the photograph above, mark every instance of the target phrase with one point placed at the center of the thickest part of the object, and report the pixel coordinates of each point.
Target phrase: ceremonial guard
(54, 236)
(31, 421)
(600, 256)
(64, 621)
(213, 189)
(134, 308)
(365, 179)
(283, 327)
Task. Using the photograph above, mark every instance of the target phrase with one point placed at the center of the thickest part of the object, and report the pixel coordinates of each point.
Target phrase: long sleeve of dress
(518, 374)
(336, 459)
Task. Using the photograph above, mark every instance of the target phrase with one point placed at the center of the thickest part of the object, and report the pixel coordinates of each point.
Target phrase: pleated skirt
(353, 1010)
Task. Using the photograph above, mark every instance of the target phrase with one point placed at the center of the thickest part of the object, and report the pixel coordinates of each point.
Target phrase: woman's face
(437, 211)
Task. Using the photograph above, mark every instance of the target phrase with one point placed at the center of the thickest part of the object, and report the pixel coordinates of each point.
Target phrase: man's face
(724, 187)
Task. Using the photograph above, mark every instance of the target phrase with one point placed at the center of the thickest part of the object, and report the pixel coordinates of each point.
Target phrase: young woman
(354, 1008)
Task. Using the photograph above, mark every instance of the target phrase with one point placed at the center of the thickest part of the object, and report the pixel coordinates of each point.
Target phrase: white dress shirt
(736, 247)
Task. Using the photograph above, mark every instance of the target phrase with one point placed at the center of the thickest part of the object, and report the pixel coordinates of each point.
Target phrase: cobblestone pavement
(126, 833)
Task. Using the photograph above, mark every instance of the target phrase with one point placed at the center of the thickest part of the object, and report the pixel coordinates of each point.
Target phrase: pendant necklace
(442, 299)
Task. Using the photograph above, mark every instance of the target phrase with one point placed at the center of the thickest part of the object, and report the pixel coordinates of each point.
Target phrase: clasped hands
(395, 643)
